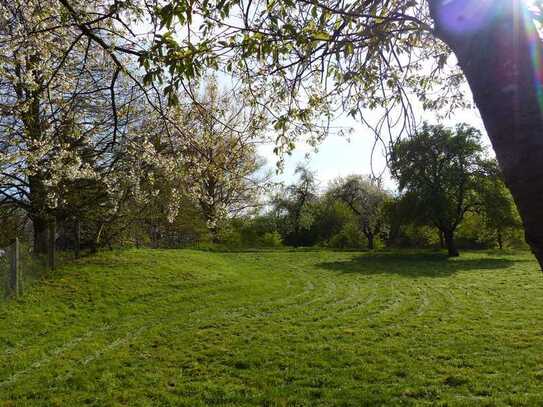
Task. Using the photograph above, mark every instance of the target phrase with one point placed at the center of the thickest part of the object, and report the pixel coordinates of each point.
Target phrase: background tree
(498, 210)
(331, 218)
(366, 198)
(215, 147)
(438, 167)
(294, 204)
(408, 224)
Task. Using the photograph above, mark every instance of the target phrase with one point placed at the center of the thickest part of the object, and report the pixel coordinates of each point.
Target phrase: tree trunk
(38, 214)
(40, 234)
(441, 240)
(500, 54)
(215, 237)
(96, 240)
(371, 239)
(451, 245)
(500, 239)
(368, 232)
(155, 240)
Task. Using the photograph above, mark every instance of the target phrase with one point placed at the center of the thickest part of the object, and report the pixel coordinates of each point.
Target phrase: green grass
(142, 328)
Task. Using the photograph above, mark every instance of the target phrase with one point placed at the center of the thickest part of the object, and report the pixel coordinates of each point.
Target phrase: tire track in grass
(349, 303)
(310, 287)
(67, 323)
(208, 286)
(388, 301)
(424, 300)
(314, 297)
(408, 303)
(61, 349)
(227, 314)
(333, 306)
(429, 304)
(46, 360)
(284, 304)
(194, 323)
(88, 332)
(164, 282)
(327, 300)
(398, 311)
(337, 310)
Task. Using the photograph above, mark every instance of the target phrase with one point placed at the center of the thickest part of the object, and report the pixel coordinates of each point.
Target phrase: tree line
(99, 119)
(449, 191)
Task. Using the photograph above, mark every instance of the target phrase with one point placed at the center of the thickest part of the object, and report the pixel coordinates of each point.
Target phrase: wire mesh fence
(22, 263)
(4, 270)
(19, 268)
(37, 251)
(11, 273)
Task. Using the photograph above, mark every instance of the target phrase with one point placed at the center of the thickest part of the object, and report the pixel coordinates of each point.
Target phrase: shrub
(348, 238)
(271, 239)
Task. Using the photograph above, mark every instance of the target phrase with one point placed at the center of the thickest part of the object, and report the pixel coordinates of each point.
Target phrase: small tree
(366, 197)
(295, 204)
(438, 167)
(331, 218)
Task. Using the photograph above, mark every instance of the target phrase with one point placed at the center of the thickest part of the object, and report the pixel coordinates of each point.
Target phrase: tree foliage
(214, 149)
(497, 208)
(64, 116)
(295, 205)
(439, 168)
(366, 197)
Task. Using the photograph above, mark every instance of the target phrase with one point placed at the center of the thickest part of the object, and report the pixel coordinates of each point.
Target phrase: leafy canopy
(304, 59)
(439, 170)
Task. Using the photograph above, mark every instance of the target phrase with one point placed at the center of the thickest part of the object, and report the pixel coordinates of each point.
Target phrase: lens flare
(469, 16)
(463, 16)
(534, 41)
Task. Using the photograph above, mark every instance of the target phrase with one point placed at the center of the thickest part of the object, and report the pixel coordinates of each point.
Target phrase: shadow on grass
(415, 265)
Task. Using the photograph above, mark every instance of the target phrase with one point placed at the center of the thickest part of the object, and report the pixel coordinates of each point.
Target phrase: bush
(271, 239)
(348, 238)
(230, 237)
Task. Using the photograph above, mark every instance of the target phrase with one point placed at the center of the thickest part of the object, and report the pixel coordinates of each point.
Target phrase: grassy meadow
(315, 328)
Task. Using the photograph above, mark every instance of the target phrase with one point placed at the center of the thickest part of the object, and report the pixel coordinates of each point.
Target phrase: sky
(338, 156)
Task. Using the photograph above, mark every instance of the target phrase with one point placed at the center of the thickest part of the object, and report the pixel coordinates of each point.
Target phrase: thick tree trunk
(500, 239)
(40, 234)
(501, 56)
(38, 214)
(441, 240)
(215, 236)
(451, 245)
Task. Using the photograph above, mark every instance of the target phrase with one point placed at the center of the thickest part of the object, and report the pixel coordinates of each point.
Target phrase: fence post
(15, 287)
(52, 238)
